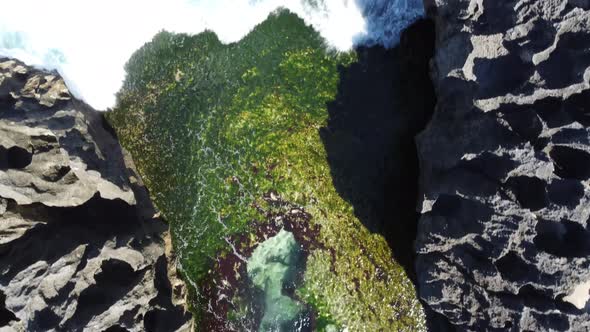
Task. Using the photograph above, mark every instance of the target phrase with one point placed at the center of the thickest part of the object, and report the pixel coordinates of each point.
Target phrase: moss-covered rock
(227, 138)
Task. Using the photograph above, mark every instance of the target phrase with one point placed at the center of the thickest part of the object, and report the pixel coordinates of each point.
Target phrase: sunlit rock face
(80, 247)
(503, 242)
(272, 267)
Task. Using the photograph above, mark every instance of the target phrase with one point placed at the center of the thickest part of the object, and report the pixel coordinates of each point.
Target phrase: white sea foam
(89, 41)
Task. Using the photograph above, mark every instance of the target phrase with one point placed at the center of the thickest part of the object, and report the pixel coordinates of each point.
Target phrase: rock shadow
(383, 101)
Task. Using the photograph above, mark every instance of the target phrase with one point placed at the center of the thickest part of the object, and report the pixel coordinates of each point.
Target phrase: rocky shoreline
(503, 236)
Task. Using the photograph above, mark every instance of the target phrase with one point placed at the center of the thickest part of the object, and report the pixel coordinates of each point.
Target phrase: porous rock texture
(81, 247)
(504, 239)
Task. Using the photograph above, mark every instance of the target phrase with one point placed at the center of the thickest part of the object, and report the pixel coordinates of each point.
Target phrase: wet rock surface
(503, 241)
(80, 246)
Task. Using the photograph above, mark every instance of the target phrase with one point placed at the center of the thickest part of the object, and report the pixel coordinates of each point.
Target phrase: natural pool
(237, 144)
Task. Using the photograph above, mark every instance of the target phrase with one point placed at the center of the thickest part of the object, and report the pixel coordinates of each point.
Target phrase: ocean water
(89, 42)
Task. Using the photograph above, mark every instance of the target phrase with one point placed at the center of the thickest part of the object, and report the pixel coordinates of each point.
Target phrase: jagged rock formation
(504, 239)
(80, 248)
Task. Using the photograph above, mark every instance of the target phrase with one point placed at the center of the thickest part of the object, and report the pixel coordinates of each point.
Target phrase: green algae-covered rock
(273, 264)
(228, 140)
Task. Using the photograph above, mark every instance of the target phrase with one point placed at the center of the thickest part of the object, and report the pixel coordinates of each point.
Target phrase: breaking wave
(89, 42)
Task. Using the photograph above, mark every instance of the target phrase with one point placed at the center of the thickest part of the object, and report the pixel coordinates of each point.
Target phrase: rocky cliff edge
(81, 247)
(504, 239)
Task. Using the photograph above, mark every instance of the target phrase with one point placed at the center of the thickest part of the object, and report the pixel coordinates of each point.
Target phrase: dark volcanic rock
(504, 238)
(80, 248)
